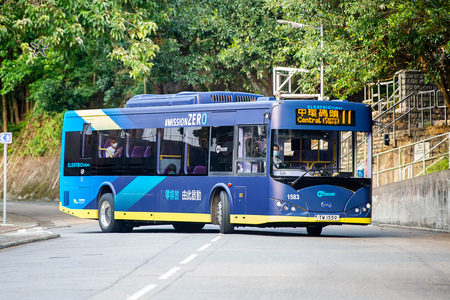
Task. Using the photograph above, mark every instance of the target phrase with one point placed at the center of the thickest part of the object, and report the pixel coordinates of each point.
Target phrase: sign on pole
(5, 139)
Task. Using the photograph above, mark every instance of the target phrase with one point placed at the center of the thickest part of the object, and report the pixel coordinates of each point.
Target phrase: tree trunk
(28, 102)
(5, 114)
(16, 111)
(446, 97)
(158, 88)
(441, 83)
(11, 111)
(260, 86)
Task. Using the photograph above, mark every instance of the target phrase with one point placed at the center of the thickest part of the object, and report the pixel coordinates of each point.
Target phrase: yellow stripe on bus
(98, 119)
(158, 216)
(80, 213)
(206, 218)
(261, 219)
(182, 217)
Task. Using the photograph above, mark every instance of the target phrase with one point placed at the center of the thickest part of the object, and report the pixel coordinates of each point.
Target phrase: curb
(25, 236)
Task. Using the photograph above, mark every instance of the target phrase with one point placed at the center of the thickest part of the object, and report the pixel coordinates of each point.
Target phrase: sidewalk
(20, 230)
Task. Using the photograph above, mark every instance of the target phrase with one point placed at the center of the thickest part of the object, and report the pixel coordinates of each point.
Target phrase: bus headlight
(293, 209)
(357, 210)
(368, 205)
(279, 204)
(286, 207)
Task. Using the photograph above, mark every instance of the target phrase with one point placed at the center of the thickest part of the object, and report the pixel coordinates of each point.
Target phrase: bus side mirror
(386, 139)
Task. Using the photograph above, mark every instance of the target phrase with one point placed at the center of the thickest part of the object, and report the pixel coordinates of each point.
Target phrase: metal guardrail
(383, 94)
(417, 109)
(398, 110)
(404, 168)
(423, 103)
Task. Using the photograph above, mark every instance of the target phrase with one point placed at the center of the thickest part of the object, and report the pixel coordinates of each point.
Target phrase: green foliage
(442, 164)
(84, 38)
(370, 40)
(42, 135)
(212, 44)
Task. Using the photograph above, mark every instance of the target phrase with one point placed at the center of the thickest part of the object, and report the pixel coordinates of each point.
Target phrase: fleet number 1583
(293, 196)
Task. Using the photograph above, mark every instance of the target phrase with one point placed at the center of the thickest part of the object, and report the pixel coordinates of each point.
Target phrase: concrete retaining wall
(419, 202)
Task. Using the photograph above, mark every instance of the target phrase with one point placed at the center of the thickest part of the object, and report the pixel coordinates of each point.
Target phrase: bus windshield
(325, 153)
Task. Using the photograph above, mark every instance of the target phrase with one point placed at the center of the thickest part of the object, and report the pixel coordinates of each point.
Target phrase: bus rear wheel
(223, 214)
(106, 214)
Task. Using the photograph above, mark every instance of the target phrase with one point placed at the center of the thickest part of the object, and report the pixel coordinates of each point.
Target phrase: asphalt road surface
(156, 262)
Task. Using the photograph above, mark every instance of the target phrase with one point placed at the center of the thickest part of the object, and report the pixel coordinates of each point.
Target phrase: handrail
(426, 157)
(419, 109)
(392, 107)
(104, 149)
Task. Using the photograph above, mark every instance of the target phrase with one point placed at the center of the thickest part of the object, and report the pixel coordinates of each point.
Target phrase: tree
(371, 39)
(256, 40)
(213, 44)
(91, 45)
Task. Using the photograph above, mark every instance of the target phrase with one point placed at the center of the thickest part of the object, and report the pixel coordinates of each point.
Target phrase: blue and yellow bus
(224, 158)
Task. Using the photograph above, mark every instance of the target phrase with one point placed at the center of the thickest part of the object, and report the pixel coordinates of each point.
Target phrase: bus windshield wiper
(292, 183)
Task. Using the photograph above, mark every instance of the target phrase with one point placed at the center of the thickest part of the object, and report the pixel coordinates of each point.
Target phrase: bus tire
(223, 212)
(106, 214)
(314, 230)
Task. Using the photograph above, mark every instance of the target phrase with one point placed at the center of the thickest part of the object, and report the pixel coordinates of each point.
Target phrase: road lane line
(188, 259)
(203, 247)
(142, 292)
(169, 273)
(216, 239)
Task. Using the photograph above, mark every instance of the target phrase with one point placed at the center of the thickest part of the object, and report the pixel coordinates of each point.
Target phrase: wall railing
(411, 160)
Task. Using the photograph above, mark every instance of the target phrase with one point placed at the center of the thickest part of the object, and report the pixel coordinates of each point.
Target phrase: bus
(225, 158)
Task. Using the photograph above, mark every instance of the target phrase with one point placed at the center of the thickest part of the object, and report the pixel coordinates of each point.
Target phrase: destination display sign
(317, 116)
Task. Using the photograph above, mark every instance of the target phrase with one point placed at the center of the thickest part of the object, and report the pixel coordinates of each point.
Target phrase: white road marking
(142, 292)
(188, 259)
(203, 247)
(216, 239)
(170, 273)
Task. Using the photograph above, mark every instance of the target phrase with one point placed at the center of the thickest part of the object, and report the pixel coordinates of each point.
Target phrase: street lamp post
(298, 25)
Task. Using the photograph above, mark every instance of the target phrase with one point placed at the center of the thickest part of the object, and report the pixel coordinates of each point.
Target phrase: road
(346, 262)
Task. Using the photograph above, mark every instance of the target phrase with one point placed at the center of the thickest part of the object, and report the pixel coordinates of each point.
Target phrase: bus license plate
(327, 217)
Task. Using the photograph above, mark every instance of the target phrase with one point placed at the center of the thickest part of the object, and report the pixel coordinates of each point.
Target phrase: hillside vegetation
(34, 158)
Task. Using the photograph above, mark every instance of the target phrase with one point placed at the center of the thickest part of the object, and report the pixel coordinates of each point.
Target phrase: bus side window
(111, 144)
(170, 149)
(196, 155)
(110, 152)
(72, 152)
(221, 149)
(252, 148)
(140, 151)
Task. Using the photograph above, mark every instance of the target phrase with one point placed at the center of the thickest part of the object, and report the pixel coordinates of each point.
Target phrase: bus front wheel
(223, 214)
(106, 214)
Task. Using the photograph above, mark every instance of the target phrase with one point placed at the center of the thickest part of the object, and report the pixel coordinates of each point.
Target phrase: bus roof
(187, 98)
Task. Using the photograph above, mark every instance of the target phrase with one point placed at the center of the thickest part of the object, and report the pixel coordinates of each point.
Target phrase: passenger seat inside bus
(104, 153)
(148, 151)
(199, 170)
(138, 151)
